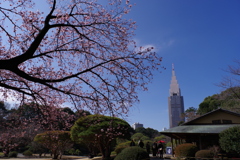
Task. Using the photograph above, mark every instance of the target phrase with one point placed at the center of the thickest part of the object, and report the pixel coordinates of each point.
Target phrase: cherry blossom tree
(76, 51)
(19, 126)
(56, 141)
(12, 130)
(100, 132)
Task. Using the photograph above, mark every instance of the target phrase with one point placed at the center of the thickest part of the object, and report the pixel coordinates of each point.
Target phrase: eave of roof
(219, 109)
(193, 129)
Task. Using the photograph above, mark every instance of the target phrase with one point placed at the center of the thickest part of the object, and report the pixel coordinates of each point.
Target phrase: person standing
(132, 143)
(148, 147)
(160, 148)
(154, 148)
(140, 144)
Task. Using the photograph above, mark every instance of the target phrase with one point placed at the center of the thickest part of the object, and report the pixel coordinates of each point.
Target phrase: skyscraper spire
(174, 87)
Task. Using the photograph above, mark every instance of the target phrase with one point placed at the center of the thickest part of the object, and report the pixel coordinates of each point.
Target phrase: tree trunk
(106, 154)
(6, 153)
(55, 155)
(61, 155)
(40, 155)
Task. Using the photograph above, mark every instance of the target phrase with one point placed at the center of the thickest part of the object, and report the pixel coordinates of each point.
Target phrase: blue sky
(201, 38)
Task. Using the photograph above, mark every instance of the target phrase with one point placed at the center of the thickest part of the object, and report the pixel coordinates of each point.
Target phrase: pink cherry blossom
(77, 52)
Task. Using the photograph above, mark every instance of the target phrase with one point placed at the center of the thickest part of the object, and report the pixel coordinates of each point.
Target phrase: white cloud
(157, 47)
(145, 46)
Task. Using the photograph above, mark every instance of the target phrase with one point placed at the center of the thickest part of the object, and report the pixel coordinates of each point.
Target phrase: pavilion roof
(185, 130)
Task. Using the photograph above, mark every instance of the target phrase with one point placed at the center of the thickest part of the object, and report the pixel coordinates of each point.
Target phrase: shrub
(1, 154)
(113, 153)
(27, 153)
(121, 146)
(215, 150)
(13, 154)
(69, 152)
(78, 152)
(119, 149)
(108, 158)
(72, 151)
(132, 153)
(229, 140)
(186, 150)
(204, 154)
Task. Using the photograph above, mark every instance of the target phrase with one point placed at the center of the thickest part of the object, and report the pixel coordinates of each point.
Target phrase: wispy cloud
(145, 46)
(156, 47)
(165, 44)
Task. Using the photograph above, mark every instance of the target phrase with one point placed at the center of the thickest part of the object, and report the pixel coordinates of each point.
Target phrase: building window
(225, 121)
(216, 121)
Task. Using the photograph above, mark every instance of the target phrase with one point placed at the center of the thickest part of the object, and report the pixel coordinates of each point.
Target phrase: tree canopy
(190, 114)
(149, 132)
(56, 141)
(14, 129)
(20, 125)
(228, 99)
(139, 136)
(76, 51)
(100, 131)
(210, 103)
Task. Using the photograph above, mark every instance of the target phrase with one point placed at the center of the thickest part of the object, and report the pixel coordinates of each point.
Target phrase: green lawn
(1, 154)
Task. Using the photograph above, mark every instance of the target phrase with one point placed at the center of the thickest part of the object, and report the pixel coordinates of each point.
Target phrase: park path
(83, 158)
(21, 157)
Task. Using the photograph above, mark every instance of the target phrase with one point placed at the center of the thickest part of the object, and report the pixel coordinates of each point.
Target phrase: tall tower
(175, 102)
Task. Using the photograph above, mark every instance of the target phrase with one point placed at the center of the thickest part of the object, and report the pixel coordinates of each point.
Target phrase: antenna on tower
(172, 66)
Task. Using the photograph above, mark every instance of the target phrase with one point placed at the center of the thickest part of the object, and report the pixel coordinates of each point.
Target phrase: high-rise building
(137, 125)
(175, 102)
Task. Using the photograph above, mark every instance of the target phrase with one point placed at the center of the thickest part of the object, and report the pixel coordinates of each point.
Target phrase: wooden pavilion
(204, 130)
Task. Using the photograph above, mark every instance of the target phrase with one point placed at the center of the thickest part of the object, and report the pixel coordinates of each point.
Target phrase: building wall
(176, 109)
(137, 125)
(217, 116)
